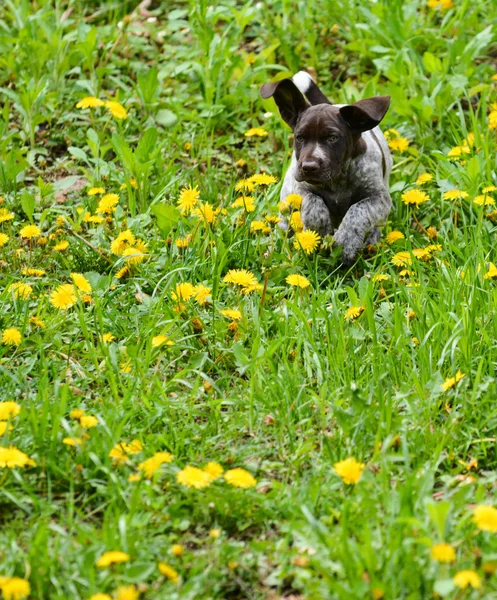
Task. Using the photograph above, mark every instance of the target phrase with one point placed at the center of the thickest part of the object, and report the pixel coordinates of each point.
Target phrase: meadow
(195, 403)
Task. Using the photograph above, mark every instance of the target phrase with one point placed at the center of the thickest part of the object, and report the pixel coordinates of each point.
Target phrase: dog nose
(310, 167)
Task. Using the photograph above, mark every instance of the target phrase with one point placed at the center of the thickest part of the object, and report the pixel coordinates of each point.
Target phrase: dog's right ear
(288, 98)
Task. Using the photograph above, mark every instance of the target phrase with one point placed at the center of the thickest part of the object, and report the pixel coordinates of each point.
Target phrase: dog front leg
(359, 220)
(315, 215)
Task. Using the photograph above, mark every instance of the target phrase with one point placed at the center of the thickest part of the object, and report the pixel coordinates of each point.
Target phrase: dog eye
(299, 139)
(332, 138)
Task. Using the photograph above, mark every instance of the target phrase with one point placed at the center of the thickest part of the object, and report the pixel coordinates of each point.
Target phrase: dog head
(325, 136)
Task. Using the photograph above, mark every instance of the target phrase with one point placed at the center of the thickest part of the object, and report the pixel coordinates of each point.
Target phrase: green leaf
(432, 63)
(438, 512)
(473, 167)
(28, 204)
(167, 217)
(78, 153)
(166, 118)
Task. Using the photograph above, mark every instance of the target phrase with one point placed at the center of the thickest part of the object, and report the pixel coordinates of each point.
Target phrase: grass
(292, 387)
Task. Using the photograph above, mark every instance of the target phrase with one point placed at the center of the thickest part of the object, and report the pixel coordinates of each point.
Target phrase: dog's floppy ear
(288, 98)
(365, 114)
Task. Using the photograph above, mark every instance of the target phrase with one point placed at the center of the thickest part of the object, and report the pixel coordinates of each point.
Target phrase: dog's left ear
(365, 114)
(288, 98)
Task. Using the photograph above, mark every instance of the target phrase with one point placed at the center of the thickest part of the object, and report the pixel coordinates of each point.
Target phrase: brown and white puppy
(341, 162)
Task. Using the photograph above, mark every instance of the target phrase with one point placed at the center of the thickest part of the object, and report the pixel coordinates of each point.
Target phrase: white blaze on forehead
(319, 152)
(303, 81)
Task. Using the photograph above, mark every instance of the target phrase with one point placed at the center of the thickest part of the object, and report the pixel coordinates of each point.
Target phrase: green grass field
(192, 422)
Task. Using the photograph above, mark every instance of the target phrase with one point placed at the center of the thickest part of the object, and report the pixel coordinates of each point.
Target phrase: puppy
(340, 165)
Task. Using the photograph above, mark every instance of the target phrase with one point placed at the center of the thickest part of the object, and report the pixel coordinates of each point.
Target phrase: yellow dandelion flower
(21, 290)
(353, 312)
(415, 197)
(4, 238)
(484, 200)
(256, 132)
(485, 518)
(133, 256)
(206, 212)
(394, 236)
(63, 297)
(202, 294)
(215, 533)
(89, 218)
(231, 313)
(81, 282)
(350, 470)
(188, 198)
(183, 242)
(246, 202)
(127, 592)
(457, 151)
(489, 189)
(398, 144)
(107, 338)
(11, 337)
(8, 410)
(73, 442)
(492, 119)
(5, 215)
(113, 557)
(116, 109)
(30, 231)
(295, 222)
(240, 277)
(89, 102)
(443, 553)
(61, 246)
(96, 190)
(257, 226)
(263, 179)
(466, 578)
(491, 273)
(391, 132)
(441, 4)
(307, 240)
(37, 321)
(77, 413)
(273, 219)
(124, 240)
(122, 273)
(11, 458)
(245, 185)
(240, 478)
(298, 281)
(177, 550)
(150, 466)
(183, 291)
(33, 272)
(380, 277)
(421, 254)
(294, 201)
(402, 259)
(15, 588)
(168, 572)
(88, 421)
(107, 204)
(424, 178)
(450, 382)
(193, 477)
(215, 470)
(454, 195)
(100, 597)
(160, 340)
